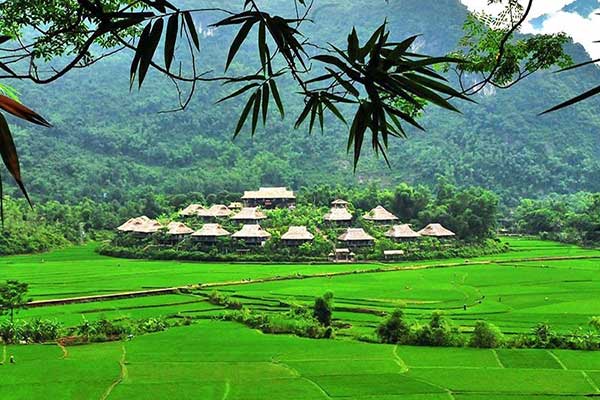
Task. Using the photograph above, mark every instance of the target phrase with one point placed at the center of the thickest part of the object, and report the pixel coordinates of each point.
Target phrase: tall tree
(13, 297)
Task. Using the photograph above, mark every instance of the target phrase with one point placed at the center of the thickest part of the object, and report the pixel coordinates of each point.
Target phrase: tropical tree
(13, 297)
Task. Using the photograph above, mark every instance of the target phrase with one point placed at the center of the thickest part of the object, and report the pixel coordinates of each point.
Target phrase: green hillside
(108, 143)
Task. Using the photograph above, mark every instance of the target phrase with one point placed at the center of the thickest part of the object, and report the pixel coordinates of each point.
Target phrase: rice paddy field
(535, 282)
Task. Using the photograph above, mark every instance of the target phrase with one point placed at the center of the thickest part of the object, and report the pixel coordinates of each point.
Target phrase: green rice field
(535, 282)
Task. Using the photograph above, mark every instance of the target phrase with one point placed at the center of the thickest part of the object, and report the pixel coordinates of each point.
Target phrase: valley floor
(211, 359)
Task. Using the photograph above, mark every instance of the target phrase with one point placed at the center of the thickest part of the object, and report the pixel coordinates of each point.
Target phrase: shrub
(486, 335)
(288, 322)
(35, 331)
(438, 332)
(151, 325)
(394, 329)
(323, 308)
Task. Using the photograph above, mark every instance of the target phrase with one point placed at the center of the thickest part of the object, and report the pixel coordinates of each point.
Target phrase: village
(247, 216)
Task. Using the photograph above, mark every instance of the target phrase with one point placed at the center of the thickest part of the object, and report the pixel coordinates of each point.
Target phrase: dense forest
(111, 145)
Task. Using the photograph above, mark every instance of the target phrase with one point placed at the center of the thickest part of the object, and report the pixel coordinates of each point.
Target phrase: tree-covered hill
(110, 143)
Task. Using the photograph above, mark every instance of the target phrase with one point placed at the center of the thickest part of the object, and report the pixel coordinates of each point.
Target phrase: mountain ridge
(109, 144)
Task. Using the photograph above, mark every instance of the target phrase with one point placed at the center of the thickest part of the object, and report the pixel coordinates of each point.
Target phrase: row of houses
(339, 214)
(254, 234)
(265, 197)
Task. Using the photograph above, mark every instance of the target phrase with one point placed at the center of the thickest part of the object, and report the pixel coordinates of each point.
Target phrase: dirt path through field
(382, 269)
(63, 349)
(122, 374)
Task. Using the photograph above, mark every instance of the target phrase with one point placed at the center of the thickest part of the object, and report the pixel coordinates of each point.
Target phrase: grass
(212, 359)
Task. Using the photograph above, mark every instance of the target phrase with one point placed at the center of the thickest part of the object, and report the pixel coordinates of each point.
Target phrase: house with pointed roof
(132, 224)
(436, 230)
(192, 210)
(210, 233)
(235, 206)
(269, 197)
(356, 237)
(252, 234)
(402, 232)
(296, 236)
(178, 230)
(380, 215)
(249, 216)
(147, 227)
(214, 212)
(341, 255)
(339, 203)
(338, 216)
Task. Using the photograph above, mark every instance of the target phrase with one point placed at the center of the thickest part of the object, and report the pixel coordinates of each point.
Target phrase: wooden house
(356, 237)
(249, 216)
(380, 215)
(338, 216)
(132, 224)
(341, 255)
(215, 211)
(209, 234)
(402, 232)
(252, 234)
(193, 210)
(296, 236)
(147, 228)
(177, 231)
(269, 197)
(437, 231)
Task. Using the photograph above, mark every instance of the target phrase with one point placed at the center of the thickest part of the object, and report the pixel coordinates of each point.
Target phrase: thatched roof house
(178, 229)
(338, 215)
(249, 215)
(436, 230)
(210, 233)
(297, 235)
(339, 203)
(381, 215)
(193, 210)
(402, 232)
(133, 223)
(148, 227)
(215, 211)
(269, 197)
(252, 234)
(341, 255)
(356, 237)
(236, 205)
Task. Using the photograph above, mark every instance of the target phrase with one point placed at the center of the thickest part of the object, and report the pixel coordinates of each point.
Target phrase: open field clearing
(214, 359)
(227, 361)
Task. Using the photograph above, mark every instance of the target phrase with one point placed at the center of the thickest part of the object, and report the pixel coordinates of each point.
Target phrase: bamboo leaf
(19, 110)
(138, 53)
(244, 115)
(148, 49)
(8, 151)
(275, 91)
(574, 100)
(265, 103)
(237, 42)
(189, 22)
(171, 39)
(256, 110)
(238, 92)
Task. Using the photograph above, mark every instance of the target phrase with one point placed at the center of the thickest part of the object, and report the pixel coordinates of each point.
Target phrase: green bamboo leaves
(372, 77)
(177, 23)
(8, 150)
(263, 84)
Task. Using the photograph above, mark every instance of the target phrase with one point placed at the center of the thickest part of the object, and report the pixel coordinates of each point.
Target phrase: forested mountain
(108, 143)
